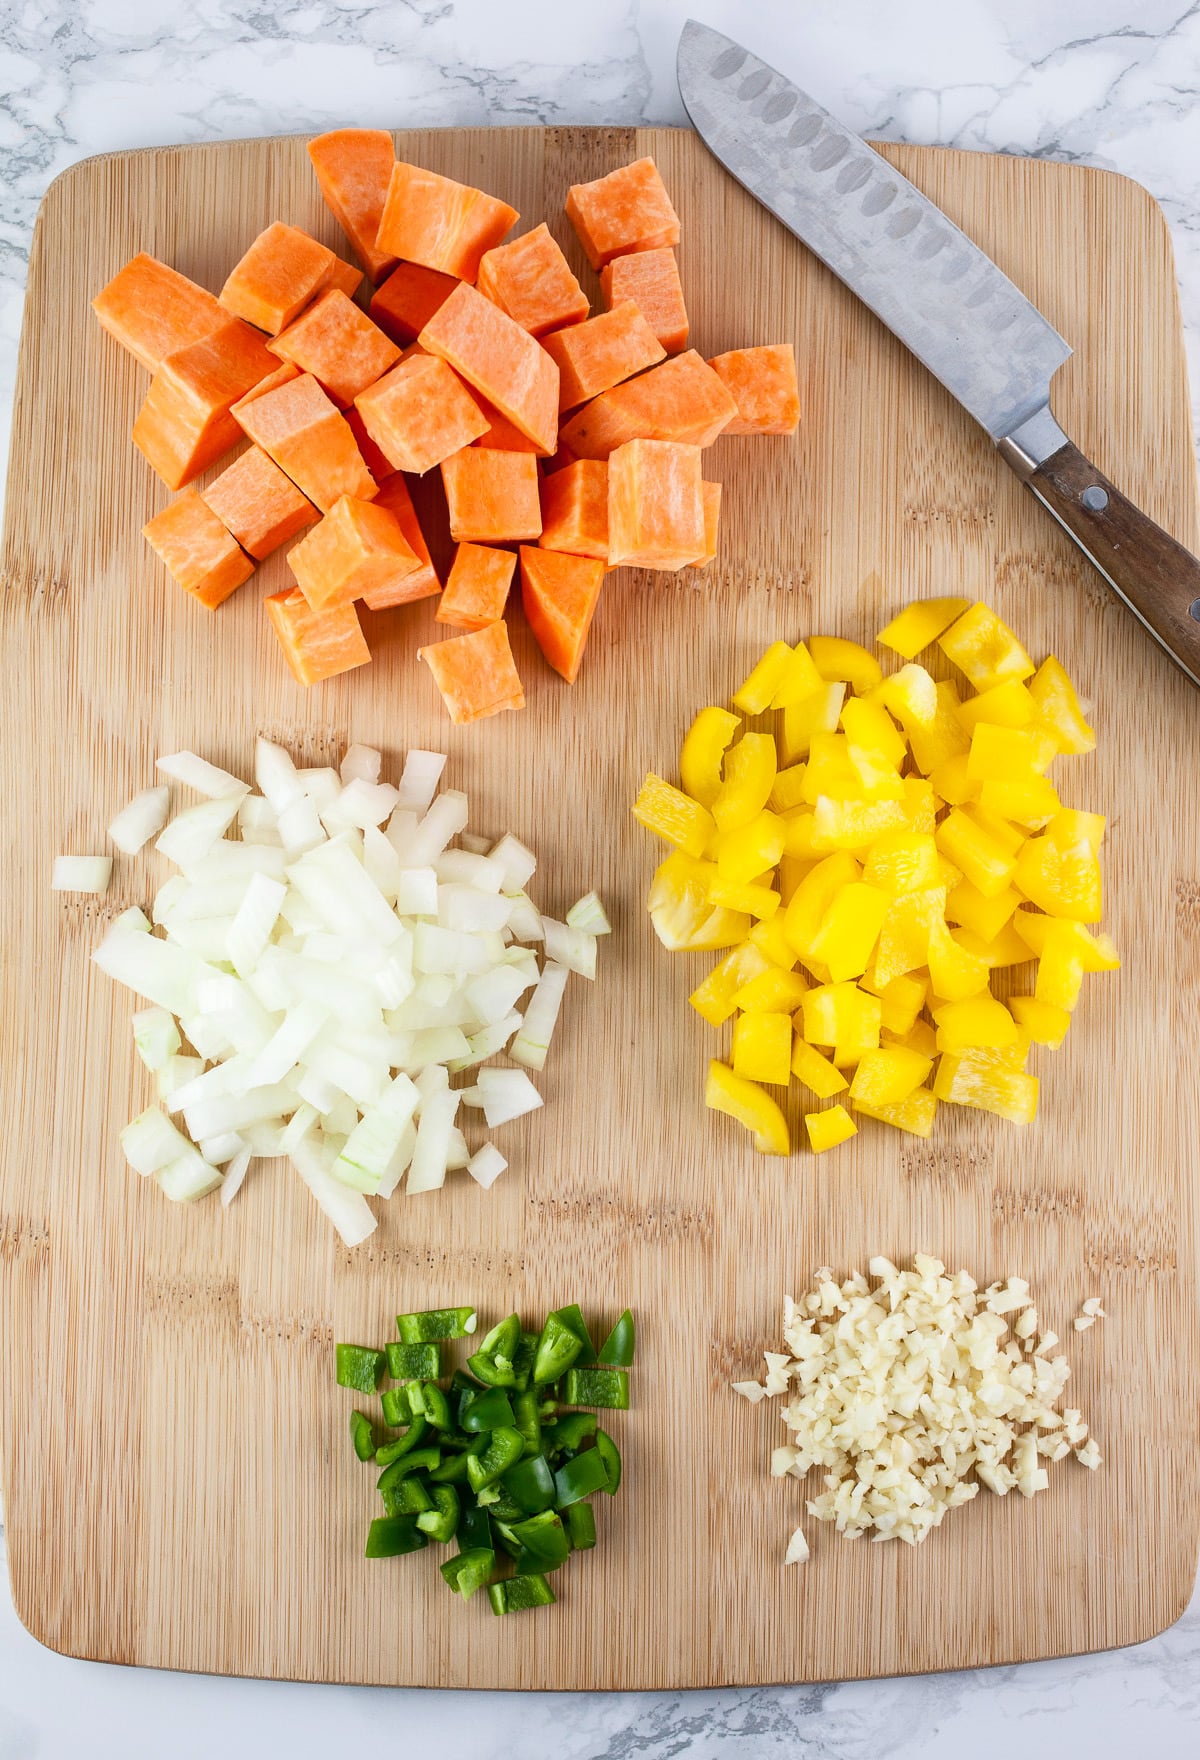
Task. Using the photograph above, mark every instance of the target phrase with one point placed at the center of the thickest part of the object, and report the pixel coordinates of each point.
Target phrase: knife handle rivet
(1096, 500)
(1194, 609)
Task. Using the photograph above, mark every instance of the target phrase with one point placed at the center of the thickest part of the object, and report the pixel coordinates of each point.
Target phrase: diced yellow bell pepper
(772, 992)
(985, 648)
(1059, 708)
(902, 861)
(984, 917)
(1045, 1024)
(1000, 1056)
(914, 1114)
(813, 897)
(868, 725)
(838, 660)
(902, 999)
(799, 833)
(749, 851)
(888, 1075)
(755, 898)
(762, 1048)
(1008, 754)
(945, 737)
(877, 777)
(1059, 977)
(673, 816)
(817, 713)
(1032, 801)
(911, 695)
(1064, 882)
(967, 1080)
(984, 862)
(792, 870)
(951, 782)
(815, 1071)
(749, 774)
(976, 1020)
(845, 1017)
(1006, 705)
(921, 1036)
(772, 943)
(948, 875)
(853, 824)
(787, 790)
(953, 972)
(713, 1000)
(800, 679)
(1003, 832)
(829, 770)
(905, 935)
(1070, 827)
(1095, 953)
(703, 753)
(849, 930)
(920, 807)
(754, 696)
(684, 918)
(750, 1105)
(1005, 948)
(829, 1128)
(919, 624)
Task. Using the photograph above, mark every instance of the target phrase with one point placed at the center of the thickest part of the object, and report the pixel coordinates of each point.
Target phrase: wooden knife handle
(1156, 577)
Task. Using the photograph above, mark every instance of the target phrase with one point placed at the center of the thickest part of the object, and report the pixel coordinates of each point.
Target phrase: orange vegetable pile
(568, 442)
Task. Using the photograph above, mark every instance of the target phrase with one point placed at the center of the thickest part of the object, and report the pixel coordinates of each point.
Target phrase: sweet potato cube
(477, 586)
(441, 224)
(281, 272)
(185, 423)
(308, 437)
(353, 167)
(283, 374)
(597, 355)
(499, 360)
(492, 496)
(655, 505)
(357, 548)
(533, 282)
(475, 673)
(575, 509)
(711, 493)
(375, 461)
(420, 414)
(154, 311)
(197, 550)
(629, 210)
(501, 436)
(317, 644)
(260, 506)
(681, 399)
(762, 382)
(423, 581)
(338, 344)
(345, 278)
(559, 595)
(408, 299)
(651, 280)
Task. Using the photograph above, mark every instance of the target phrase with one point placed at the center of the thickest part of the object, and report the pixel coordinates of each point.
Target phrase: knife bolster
(1032, 442)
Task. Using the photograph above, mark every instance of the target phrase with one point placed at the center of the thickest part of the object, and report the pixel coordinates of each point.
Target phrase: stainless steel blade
(942, 296)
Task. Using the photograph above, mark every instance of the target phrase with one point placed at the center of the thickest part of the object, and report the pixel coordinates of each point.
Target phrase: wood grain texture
(179, 1488)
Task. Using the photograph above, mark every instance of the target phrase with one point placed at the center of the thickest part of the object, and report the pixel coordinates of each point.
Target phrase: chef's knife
(946, 301)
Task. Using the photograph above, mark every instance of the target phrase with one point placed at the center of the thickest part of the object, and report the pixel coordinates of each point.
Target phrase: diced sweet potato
(197, 550)
(317, 644)
(712, 519)
(501, 436)
(260, 506)
(762, 382)
(422, 582)
(477, 586)
(475, 673)
(308, 437)
(651, 280)
(338, 344)
(281, 272)
(594, 356)
(655, 505)
(499, 360)
(408, 299)
(629, 210)
(420, 413)
(575, 509)
(185, 423)
(357, 548)
(154, 311)
(345, 278)
(492, 496)
(681, 399)
(532, 281)
(283, 374)
(353, 167)
(444, 225)
(559, 595)
(379, 466)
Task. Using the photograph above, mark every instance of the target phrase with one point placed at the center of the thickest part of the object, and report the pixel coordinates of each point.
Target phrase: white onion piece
(219, 1150)
(573, 948)
(419, 781)
(541, 1016)
(519, 863)
(81, 874)
(486, 1165)
(477, 871)
(373, 1142)
(506, 1094)
(258, 822)
(322, 785)
(155, 1037)
(457, 1153)
(417, 892)
(431, 1156)
(348, 1211)
(141, 820)
(192, 833)
(362, 804)
(524, 919)
(588, 913)
(189, 1178)
(153, 968)
(254, 922)
(235, 1173)
(151, 1141)
(290, 1040)
(445, 819)
(463, 907)
(361, 763)
(175, 1074)
(276, 775)
(300, 827)
(207, 779)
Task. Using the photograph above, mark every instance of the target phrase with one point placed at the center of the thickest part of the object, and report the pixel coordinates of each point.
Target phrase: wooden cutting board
(178, 1482)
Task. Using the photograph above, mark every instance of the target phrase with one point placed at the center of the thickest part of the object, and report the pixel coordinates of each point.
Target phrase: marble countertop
(1068, 79)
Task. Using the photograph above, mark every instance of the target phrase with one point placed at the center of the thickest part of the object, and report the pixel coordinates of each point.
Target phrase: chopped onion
(156, 1037)
(205, 778)
(486, 1165)
(235, 1173)
(417, 892)
(506, 1094)
(141, 820)
(219, 1150)
(431, 1155)
(419, 781)
(588, 914)
(189, 1178)
(573, 948)
(276, 775)
(519, 863)
(541, 1016)
(191, 834)
(348, 1211)
(81, 873)
(151, 1141)
(361, 763)
(524, 920)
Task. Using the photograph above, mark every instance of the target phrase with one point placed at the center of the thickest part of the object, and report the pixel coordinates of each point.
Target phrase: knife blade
(946, 300)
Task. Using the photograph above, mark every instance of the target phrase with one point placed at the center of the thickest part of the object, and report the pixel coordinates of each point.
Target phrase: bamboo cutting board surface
(179, 1487)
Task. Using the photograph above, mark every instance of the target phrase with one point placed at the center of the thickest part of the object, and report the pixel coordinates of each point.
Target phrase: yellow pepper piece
(969, 1080)
(920, 807)
(853, 824)
(919, 624)
(911, 695)
(1008, 754)
(772, 992)
(984, 917)
(945, 737)
(849, 930)
(792, 870)
(703, 753)
(816, 1071)
(800, 679)
(905, 935)
(817, 713)
(1006, 705)
(845, 1017)
(876, 777)
(750, 1105)
(951, 782)
(921, 1036)
(977, 1020)
(762, 1048)
(836, 660)
(954, 973)
(1005, 948)
(1031, 801)
(903, 999)
(1059, 709)
(829, 1128)
(771, 941)
(984, 862)
(749, 851)
(813, 897)
(787, 790)
(984, 647)
(868, 725)
(754, 899)
(1069, 827)
(888, 1075)
(829, 770)
(683, 916)
(1096, 953)
(799, 835)
(903, 861)
(673, 816)
(1045, 1024)
(914, 1114)
(713, 1000)
(1059, 977)
(754, 696)
(1064, 882)
(749, 774)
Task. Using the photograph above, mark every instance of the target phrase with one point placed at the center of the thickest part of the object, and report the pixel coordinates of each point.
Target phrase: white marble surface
(1113, 82)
